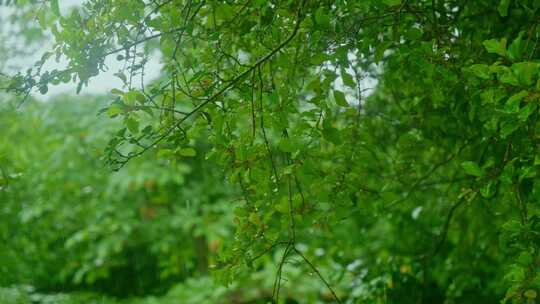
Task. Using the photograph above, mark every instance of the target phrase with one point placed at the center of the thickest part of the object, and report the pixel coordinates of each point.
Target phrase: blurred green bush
(67, 221)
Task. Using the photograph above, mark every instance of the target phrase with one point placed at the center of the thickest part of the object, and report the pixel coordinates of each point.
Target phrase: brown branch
(446, 226)
(318, 274)
(521, 204)
(265, 137)
(420, 180)
(277, 280)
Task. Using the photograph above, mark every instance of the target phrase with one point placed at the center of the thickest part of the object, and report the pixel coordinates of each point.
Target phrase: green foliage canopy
(429, 182)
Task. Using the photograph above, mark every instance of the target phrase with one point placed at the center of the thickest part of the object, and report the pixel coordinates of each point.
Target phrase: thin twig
(318, 274)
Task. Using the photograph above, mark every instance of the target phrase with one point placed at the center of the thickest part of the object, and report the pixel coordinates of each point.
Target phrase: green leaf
(114, 110)
(414, 34)
(318, 58)
(513, 103)
(164, 153)
(41, 19)
(527, 172)
(506, 76)
(348, 79)
(536, 160)
(526, 111)
(322, 18)
(472, 168)
(122, 76)
(286, 145)
(515, 49)
(380, 50)
(480, 71)
(282, 206)
(488, 189)
(79, 87)
(255, 219)
(331, 134)
(117, 92)
(503, 7)
(392, 2)
(512, 226)
(132, 125)
(187, 152)
(55, 8)
(133, 96)
(525, 72)
(530, 293)
(496, 46)
(525, 258)
(508, 127)
(43, 89)
(340, 98)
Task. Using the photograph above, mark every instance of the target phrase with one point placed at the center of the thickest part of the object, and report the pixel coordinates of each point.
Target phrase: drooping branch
(220, 92)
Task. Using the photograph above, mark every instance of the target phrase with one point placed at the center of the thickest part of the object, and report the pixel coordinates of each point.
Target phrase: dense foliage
(66, 220)
(263, 146)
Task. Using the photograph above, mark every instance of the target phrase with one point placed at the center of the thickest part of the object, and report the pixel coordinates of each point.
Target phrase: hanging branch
(218, 94)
